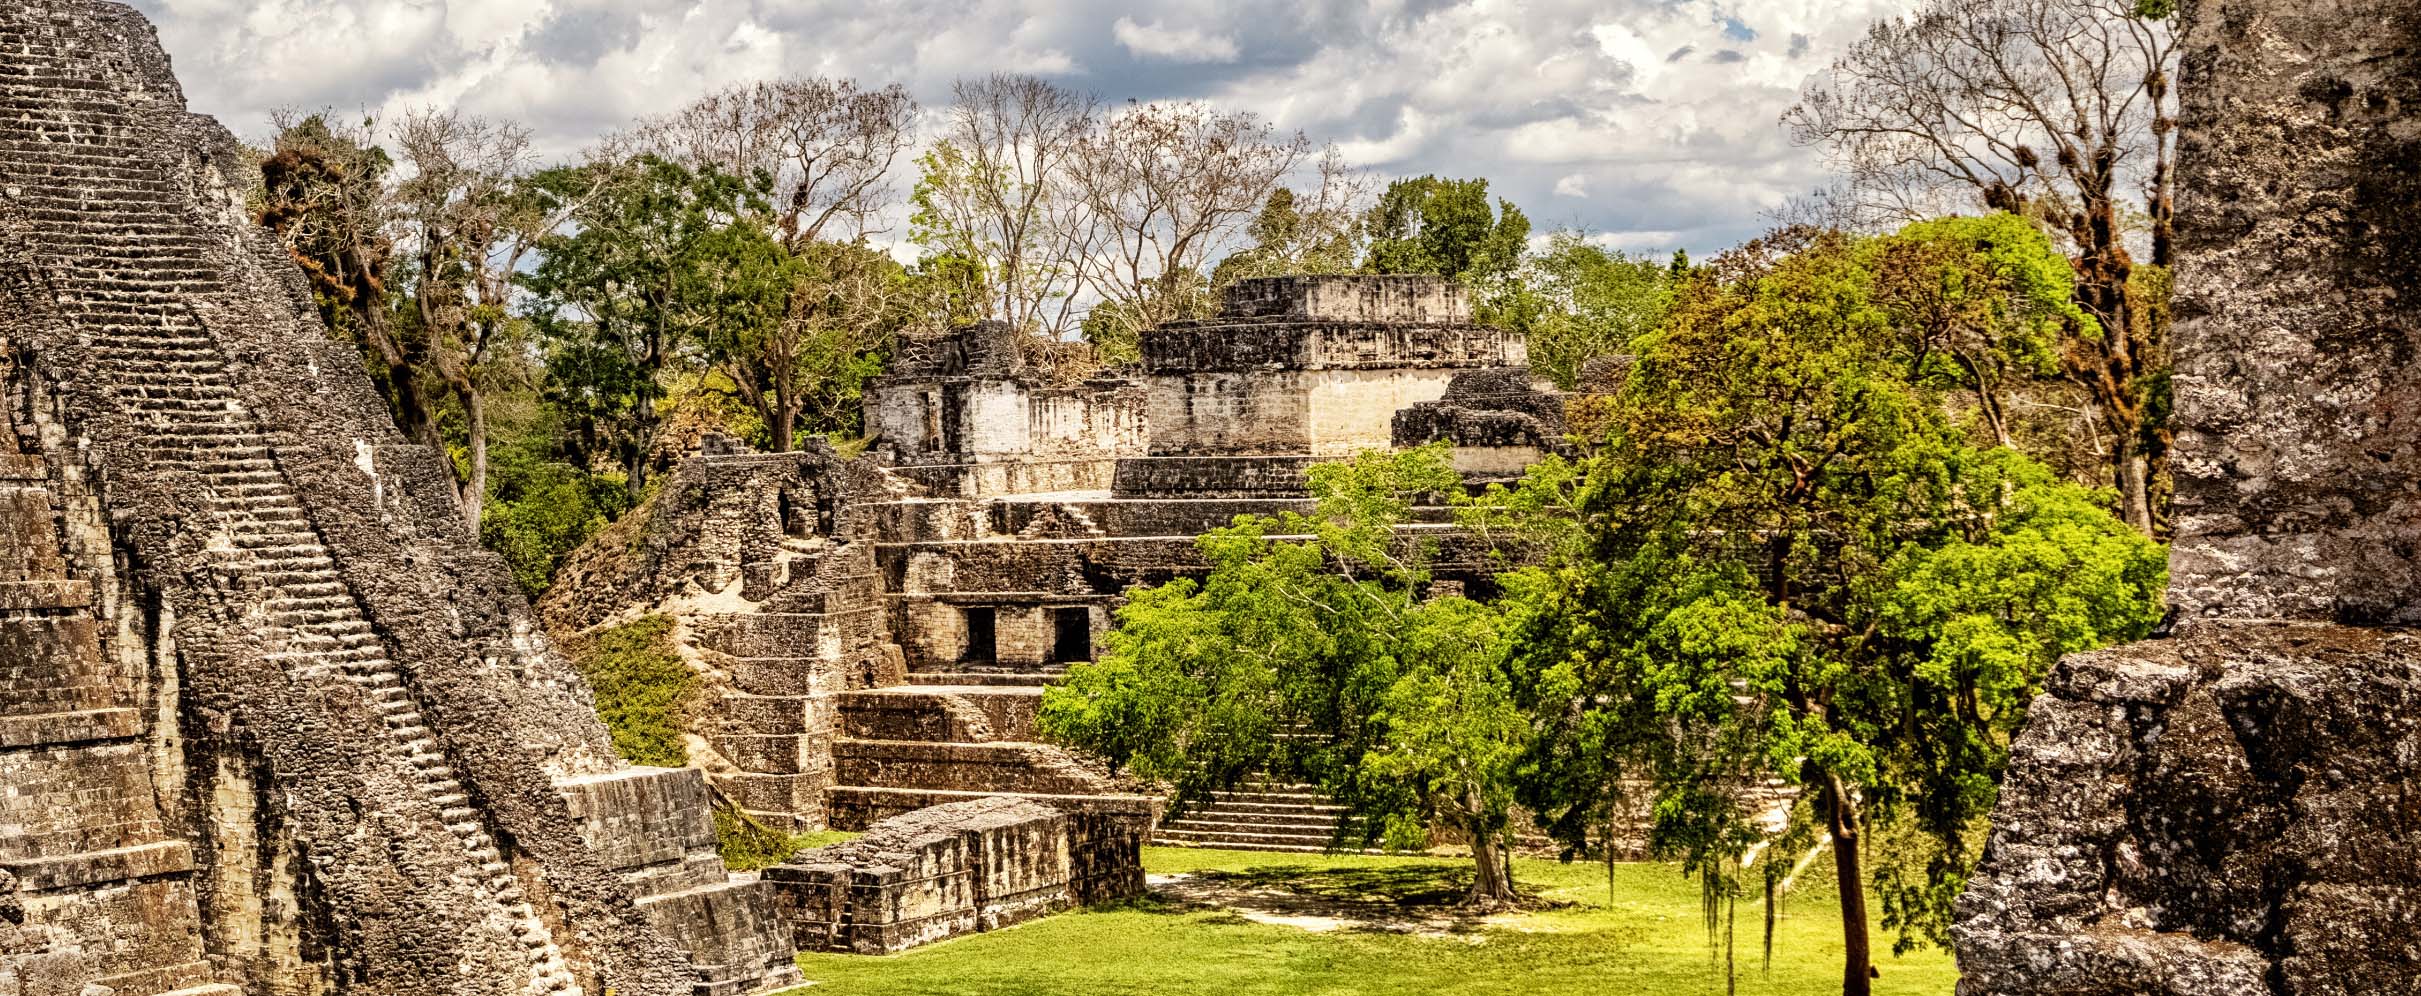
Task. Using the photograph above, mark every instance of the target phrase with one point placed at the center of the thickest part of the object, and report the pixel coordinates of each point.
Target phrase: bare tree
(998, 199)
(1170, 184)
(463, 220)
(827, 145)
(2056, 110)
(326, 196)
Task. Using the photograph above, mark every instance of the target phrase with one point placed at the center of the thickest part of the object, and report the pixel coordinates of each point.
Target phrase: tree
(1316, 231)
(2055, 110)
(325, 195)
(826, 145)
(996, 199)
(823, 150)
(465, 223)
(1169, 184)
(1785, 561)
(1983, 303)
(1310, 650)
(1577, 301)
(656, 257)
(807, 365)
(1446, 227)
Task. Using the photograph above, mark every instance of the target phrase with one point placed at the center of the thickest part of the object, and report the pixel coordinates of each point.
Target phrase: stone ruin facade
(877, 634)
(270, 720)
(2232, 810)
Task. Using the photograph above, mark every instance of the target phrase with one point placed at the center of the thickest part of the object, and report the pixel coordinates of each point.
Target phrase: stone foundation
(956, 869)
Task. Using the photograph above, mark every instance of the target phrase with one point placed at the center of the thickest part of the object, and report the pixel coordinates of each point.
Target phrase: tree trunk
(475, 490)
(2134, 477)
(1857, 960)
(1492, 883)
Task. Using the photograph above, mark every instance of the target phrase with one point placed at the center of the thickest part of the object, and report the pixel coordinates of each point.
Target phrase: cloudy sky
(1649, 122)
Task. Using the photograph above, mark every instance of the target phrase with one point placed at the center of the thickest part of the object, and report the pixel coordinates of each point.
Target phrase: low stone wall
(1212, 477)
(955, 869)
(654, 827)
(978, 767)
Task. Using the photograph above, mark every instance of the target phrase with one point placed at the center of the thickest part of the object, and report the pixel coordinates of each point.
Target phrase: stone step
(980, 678)
(1258, 822)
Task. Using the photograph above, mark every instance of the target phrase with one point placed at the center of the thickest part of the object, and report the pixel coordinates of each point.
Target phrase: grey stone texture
(2230, 810)
(272, 721)
(956, 869)
(1296, 369)
(2298, 452)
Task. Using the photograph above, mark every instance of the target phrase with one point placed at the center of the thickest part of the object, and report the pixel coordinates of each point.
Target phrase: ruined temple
(876, 634)
(270, 720)
(2232, 809)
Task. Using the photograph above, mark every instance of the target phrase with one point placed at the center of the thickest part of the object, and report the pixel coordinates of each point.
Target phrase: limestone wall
(955, 869)
(2298, 450)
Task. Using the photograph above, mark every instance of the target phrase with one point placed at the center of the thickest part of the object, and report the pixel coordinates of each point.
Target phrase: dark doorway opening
(981, 639)
(1073, 632)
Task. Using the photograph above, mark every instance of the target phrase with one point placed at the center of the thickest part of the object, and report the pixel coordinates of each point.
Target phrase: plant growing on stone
(1312, 650)
(1784, 561)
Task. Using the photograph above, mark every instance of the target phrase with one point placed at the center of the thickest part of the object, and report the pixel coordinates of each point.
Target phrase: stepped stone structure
(878, 633)
(270, 721)
(2232, 809)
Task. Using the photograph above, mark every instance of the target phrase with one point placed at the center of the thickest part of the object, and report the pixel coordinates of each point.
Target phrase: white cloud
(1173, 44)
(1569, 107)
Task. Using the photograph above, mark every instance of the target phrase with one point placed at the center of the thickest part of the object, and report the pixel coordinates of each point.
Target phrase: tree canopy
(1785, 560)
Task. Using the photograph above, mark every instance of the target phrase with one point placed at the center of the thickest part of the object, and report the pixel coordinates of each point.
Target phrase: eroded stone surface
(2232, 811)
(272, 721)
(2298, 388)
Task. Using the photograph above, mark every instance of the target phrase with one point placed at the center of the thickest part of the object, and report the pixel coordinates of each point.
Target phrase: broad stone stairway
(129, 278)
(1258, 816)
(950, 736)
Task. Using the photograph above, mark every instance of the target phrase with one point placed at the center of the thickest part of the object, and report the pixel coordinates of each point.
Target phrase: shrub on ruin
(644, 689)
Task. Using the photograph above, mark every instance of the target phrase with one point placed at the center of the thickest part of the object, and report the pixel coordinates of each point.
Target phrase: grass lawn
(1646, 938)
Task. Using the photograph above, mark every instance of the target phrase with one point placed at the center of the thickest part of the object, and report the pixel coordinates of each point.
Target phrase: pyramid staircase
(132, 264)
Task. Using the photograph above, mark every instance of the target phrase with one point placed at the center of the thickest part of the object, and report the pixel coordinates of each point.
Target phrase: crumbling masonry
(876, 634)
(269, 721)
(2234, 810)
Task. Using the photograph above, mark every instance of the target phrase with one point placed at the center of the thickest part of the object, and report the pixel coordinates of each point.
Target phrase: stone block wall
(655, 826)
(951, 870)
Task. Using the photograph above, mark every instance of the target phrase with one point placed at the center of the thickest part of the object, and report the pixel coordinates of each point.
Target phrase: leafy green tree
(1786, 561)
(1310, 650)
(1579, 301)
(1984, 301)
(1447, 227)
(658, 258)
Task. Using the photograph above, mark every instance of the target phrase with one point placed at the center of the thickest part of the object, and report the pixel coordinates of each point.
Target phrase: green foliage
(745, 844)
(1446, 227)
(1790, 563)
(1578, 301)
(540, 510)
(658, 257)
(1309, 651)
(1293, 236)
(1984, 303)
(1631, 929)
(644, 689)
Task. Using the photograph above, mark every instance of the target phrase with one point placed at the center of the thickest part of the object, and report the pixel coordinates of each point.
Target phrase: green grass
(1647, 938)
(643, 688)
